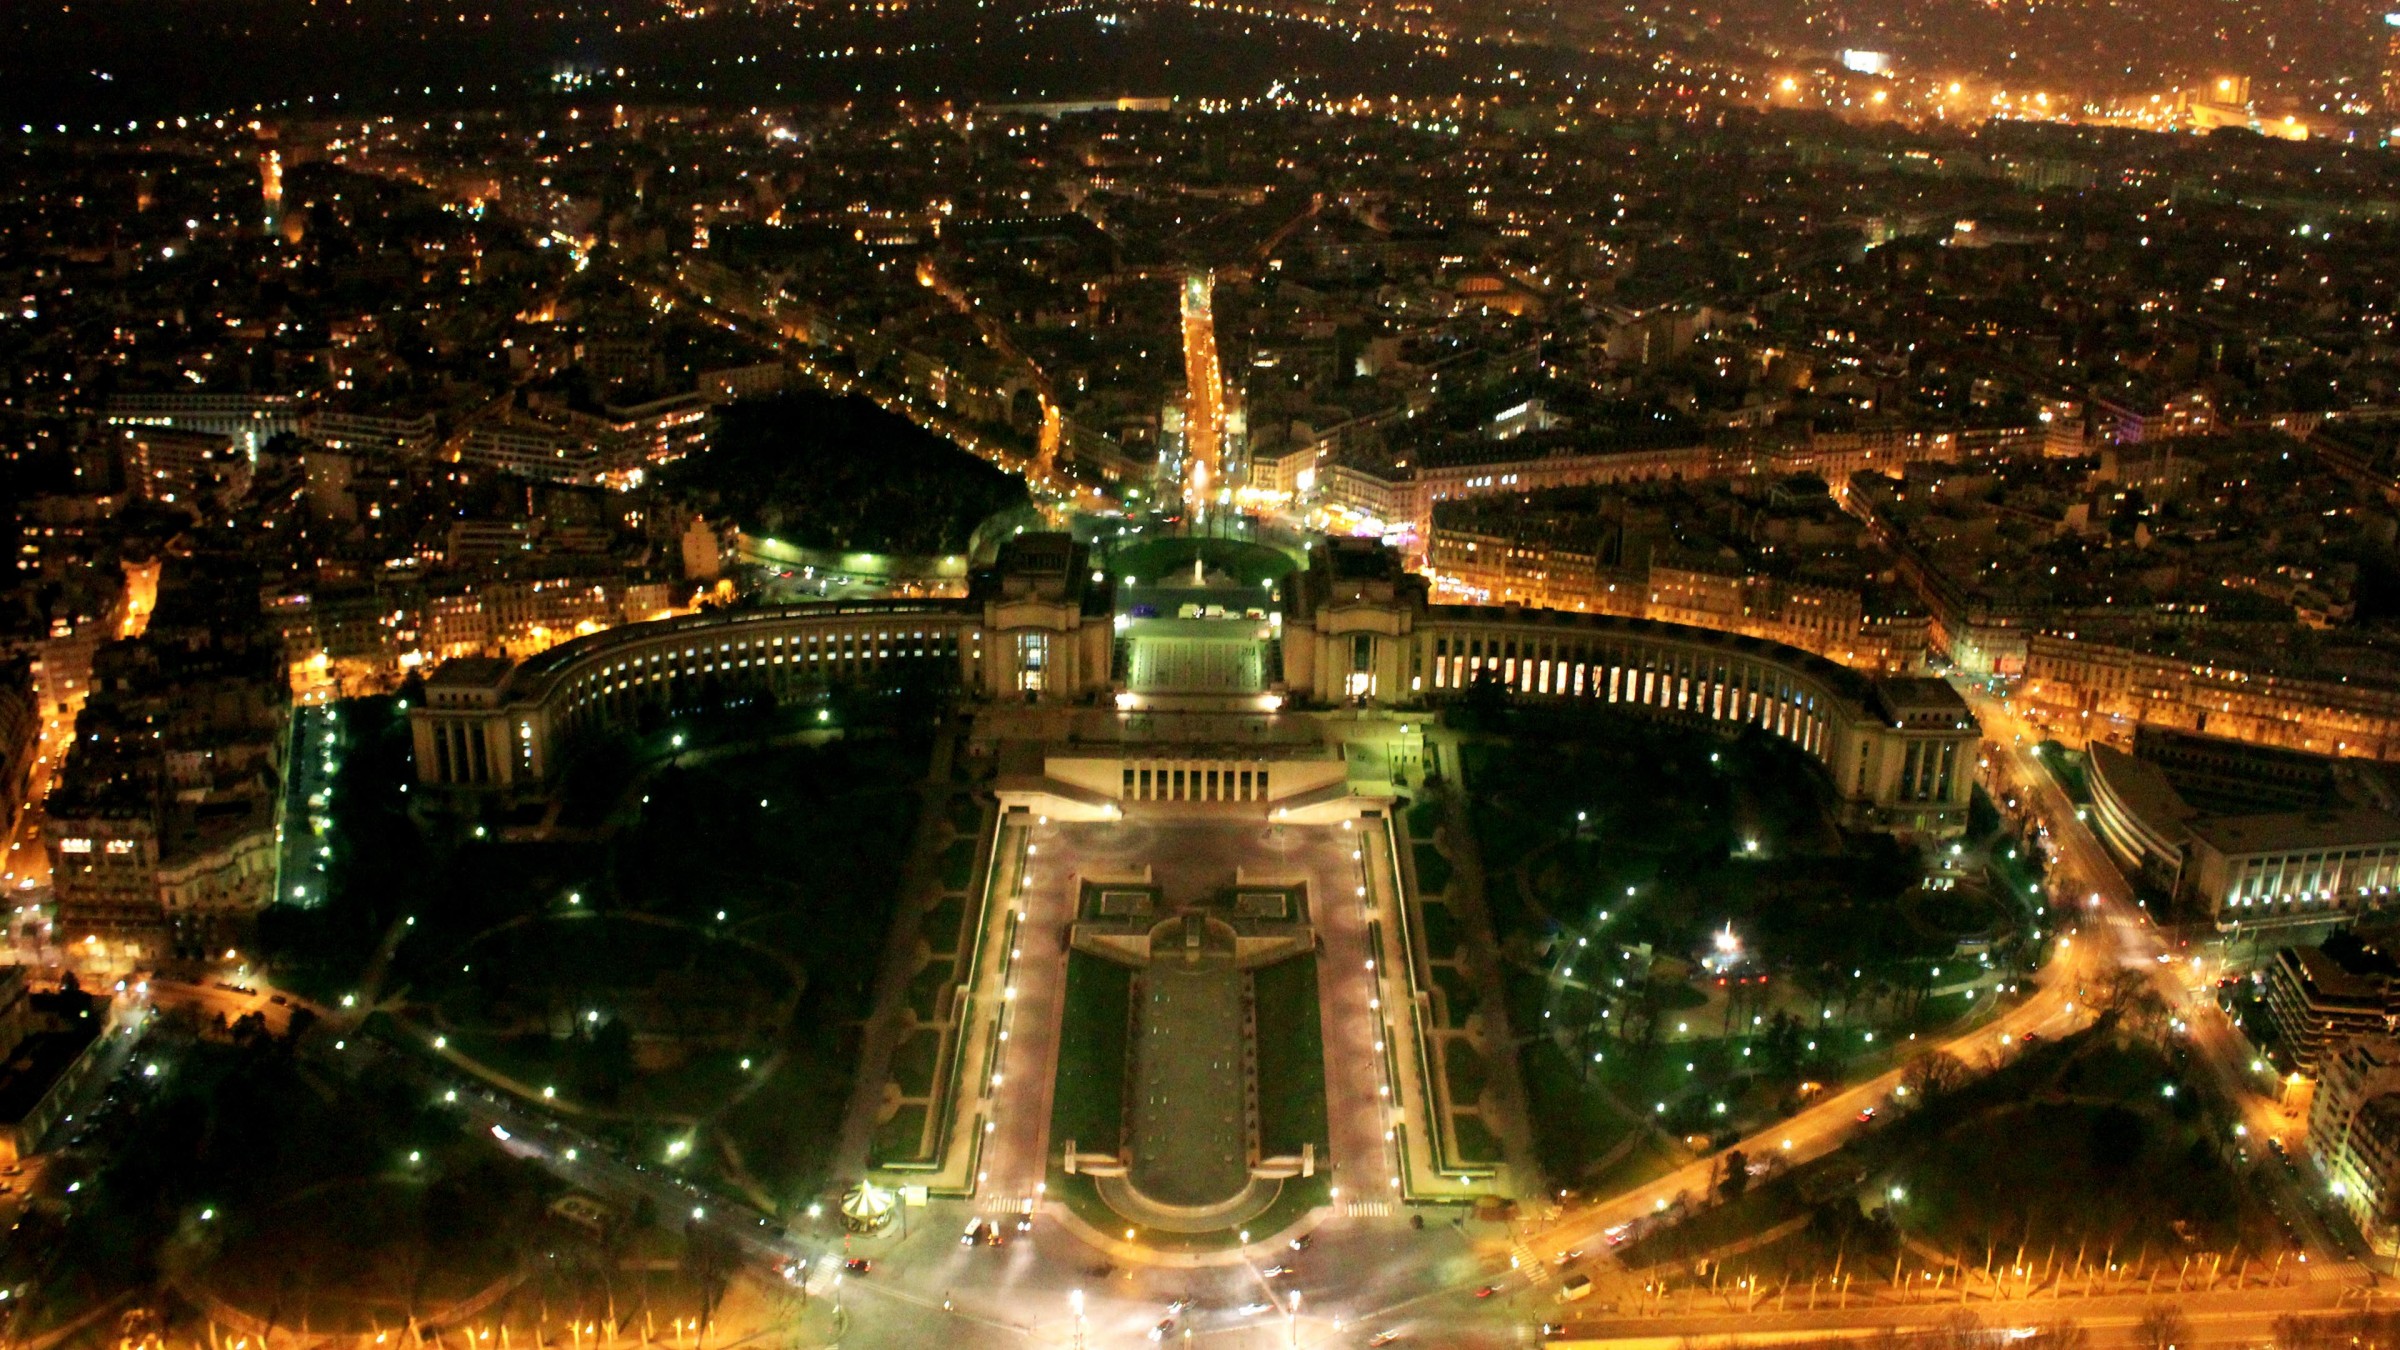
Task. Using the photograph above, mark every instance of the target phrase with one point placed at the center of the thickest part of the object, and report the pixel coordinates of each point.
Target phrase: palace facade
(1350, 630)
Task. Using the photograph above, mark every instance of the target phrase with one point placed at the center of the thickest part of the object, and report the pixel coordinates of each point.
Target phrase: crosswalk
(1533, 1268)
(1004, 1204)
(1368, 1209)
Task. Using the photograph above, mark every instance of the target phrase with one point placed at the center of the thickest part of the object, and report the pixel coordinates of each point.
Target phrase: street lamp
(1075, 1301)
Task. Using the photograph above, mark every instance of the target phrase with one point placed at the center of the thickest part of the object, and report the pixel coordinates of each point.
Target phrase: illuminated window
(1033, 659)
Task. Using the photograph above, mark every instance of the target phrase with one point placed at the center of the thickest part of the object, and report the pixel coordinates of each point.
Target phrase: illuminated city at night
(1219, 673)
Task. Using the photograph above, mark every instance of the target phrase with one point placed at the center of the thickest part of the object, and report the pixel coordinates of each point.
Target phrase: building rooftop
(2345, 969)
(1921, 701)
(532, 677)
(1840, 679)
(38, 1061)
(470, 672)
(2142, 786)
(2281, 831)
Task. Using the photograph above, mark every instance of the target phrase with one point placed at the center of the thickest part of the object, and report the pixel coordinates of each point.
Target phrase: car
(974, 1232)
(1569, 1257)
(993, 1237)
(1615, 1237)
(1277, 1269)
(858, 1265)
(1866, 1115)
(1254, 1309)
(1165, 1325)
(1300, 1243)
(1383, 1338)
(1180, 1306)
(1024, 1223)
(1487, 1291)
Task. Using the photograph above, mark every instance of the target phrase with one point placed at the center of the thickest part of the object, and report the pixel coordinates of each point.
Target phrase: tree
(2122, 988)
(2294, 1332)
(1933, 1074)
(2118, 1136)
(2069, 1336)
(1484, 707)
(1737, 1177)
(2162, 1327)
(608, 1060)
(1962, 1330)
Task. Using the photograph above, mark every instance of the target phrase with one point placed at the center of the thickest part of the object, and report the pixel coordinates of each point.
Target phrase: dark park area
(700, 969)
(826, 471)
(2090, 1158)
(1690, 939)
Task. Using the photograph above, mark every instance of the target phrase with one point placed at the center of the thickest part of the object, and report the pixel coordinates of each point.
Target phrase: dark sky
(113, 60)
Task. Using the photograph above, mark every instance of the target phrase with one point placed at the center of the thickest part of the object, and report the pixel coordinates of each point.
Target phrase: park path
(1504, 1104)
(918, 889)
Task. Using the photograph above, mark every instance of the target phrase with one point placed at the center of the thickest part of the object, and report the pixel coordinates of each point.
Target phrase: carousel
(868, 1208)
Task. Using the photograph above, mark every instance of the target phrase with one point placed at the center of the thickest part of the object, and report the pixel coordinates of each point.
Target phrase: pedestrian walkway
(1414, 1108)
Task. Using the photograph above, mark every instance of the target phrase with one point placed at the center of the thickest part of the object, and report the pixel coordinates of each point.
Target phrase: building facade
(2354, 1134)
(2287, 839)
(2318, 996)
(1350, 630)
